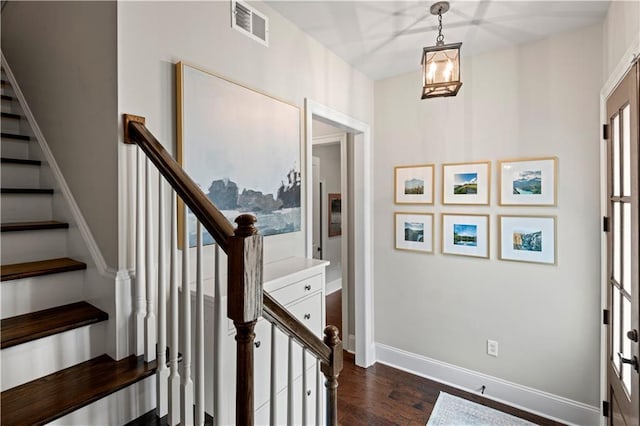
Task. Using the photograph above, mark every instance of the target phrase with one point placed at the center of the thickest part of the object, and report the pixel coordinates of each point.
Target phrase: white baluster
(273, 391)
(290, 384)
(162, 373)
(217, 341)
(150, 319)
(319, 407)
(186, 390)
(304, 387)
(140, 272)
(174, 379)
(199, 336)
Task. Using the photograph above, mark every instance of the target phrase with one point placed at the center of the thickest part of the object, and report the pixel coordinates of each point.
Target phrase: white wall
(63, 55)
(621, 28)
(155, 35)
(539, 99)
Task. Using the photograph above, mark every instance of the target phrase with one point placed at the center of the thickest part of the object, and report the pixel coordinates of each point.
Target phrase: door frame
(362, 207)
(341, 139)
(616, 76)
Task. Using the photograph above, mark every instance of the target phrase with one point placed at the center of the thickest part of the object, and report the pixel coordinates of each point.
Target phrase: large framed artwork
(414, 232)
(242, 148)
(466, 183)
(335, 214)
(465, 234)
(414, 184)
(527, 238)
(528, 182)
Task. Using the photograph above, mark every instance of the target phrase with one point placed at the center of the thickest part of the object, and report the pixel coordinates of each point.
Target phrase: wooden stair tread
(53, 396)
(41, 267)
(32, 226)
(10, 115)
(7, 98)
(7, 160)
(35, 325)
(26, 191)
(14, 136)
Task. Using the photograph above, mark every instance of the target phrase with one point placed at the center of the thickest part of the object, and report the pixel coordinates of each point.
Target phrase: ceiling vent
(249, 21)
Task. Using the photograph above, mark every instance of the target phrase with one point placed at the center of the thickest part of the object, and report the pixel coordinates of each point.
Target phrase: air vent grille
(250, 22)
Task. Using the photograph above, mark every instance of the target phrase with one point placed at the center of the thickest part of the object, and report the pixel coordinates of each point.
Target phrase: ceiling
(385, 38)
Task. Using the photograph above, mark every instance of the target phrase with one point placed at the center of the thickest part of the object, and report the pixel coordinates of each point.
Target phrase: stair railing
(246, 301)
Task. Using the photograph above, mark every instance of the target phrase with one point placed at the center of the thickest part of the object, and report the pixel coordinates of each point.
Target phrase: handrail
(208, 214)
(279, 315)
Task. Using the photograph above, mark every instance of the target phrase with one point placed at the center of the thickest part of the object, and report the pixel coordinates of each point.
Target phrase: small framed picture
(466, 183)
(414, 232)
(465, 234)
(335, 215)
(527, 239)
(528, 182)
(414, 184)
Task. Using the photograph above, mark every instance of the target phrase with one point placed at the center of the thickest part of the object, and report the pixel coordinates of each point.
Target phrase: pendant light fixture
(440, 63)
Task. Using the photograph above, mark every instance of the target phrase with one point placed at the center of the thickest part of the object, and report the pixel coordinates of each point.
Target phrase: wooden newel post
(331, 372)
(244, 307)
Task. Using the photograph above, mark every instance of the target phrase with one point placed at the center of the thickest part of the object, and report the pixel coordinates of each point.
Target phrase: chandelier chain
(440, 38)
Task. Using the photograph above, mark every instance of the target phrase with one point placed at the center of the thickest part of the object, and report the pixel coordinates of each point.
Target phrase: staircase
(52, 341)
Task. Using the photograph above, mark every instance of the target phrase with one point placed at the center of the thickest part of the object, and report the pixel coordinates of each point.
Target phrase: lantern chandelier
(440, 63)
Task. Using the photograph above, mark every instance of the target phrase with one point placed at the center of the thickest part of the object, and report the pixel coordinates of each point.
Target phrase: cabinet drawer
(295, 291)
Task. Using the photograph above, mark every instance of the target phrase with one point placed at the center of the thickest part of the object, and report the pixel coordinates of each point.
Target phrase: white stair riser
(119, 408)
(25, 207)
(37, 293)
(11, 125)
(20, 176)
(32, 360)
(15, 149)
(27, 246)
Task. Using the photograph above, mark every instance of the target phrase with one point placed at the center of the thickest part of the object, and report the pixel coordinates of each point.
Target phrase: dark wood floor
(382, 395)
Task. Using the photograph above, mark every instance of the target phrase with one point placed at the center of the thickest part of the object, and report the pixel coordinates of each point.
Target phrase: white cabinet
(299, 285)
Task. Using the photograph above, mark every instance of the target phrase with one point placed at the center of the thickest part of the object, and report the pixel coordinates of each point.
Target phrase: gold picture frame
(466, 183)
(528, 182)
(414, 184)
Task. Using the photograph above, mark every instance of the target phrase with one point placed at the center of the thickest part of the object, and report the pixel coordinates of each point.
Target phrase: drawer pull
(307, 287)
(309, 392)
(257, 343)
(307, 316)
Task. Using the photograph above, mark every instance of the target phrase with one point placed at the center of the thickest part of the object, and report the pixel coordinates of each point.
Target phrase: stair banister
(246, 301)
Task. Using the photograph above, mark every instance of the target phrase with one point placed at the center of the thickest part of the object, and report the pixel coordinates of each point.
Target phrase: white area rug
(453, 411)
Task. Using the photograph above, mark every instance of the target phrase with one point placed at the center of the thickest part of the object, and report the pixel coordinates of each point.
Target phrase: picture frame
(414, 232)
(465, 234)
(527, 239)
(334, 206)
(414, 184)
(528, 182)
(466, 183)
(243, 169)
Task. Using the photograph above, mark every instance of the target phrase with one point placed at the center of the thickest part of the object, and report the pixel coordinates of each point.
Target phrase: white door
(622, 252)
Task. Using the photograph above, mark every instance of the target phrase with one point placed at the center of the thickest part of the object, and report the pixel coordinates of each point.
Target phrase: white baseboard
(333, 286)
(351, 344)
(532, 400)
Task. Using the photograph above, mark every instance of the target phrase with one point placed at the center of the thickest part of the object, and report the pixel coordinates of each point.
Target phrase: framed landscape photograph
(414, 184)
(527, 239)
(465, 234)
(466, 183)
(528, 182)
(414, 232)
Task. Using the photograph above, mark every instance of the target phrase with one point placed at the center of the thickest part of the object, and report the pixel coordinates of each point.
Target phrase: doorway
(331, 223)
(622, 252)
(361, 228)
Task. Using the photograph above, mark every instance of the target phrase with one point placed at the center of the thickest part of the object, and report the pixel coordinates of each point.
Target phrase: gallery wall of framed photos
(525, 188)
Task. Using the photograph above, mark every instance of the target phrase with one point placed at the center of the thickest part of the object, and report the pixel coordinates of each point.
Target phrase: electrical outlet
(492, 348)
